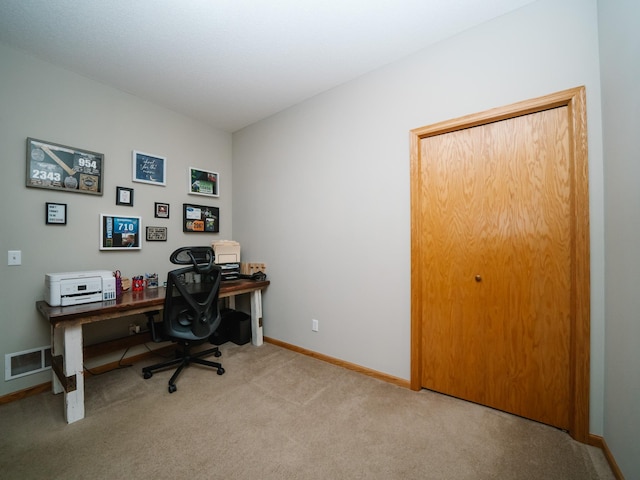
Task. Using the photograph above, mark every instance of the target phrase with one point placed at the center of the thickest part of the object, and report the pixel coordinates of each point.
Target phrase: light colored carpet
(276, 414)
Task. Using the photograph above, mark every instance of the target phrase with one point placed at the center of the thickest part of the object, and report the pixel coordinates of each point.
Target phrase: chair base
(184, 358)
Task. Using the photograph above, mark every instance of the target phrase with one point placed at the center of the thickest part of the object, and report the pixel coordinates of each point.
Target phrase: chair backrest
(191, 309)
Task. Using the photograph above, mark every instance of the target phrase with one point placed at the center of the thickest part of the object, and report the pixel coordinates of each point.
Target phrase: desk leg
(256, 317)
(67, 342)
(231, 302)
(57, 345)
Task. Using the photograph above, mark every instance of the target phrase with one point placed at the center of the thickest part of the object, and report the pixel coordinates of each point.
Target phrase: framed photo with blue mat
(120, 232)
(149, 168)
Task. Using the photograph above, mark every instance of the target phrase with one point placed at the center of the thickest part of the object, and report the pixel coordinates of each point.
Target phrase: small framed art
(124, 196)
(156, 234)
(161, 210)
(204, 182)
(56, 213)
(148, 168)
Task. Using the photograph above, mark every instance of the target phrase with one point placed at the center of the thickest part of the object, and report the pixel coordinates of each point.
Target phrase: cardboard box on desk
(226, 251)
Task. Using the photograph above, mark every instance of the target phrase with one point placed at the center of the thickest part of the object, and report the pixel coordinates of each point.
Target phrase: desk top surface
(132, 303)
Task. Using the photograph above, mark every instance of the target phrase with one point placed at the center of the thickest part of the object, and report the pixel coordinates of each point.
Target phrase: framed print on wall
(124, 196)
(204, 182)
(161, 210)
(156, 234)
(56, 213)
(67, 169)
(120, 232)
(148, 168)
(200, 218)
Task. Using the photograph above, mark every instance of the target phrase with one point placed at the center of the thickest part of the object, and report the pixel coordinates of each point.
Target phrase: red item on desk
(138, 284)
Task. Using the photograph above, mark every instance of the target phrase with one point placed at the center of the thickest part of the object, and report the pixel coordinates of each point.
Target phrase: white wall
(42, 101)
(321, 190)
(620, 72)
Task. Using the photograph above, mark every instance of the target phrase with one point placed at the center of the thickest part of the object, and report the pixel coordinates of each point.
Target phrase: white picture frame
(203, 182)
(149, 168)
(120, 232)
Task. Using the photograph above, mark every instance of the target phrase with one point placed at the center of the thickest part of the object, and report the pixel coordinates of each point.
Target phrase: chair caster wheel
(220, 371)
(147, 375)
(172, 388)
(217, 354)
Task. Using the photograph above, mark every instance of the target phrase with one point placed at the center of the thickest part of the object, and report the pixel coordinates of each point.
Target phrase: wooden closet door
(496, 285)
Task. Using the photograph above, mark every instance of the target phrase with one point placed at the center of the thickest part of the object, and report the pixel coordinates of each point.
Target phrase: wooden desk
(66, 332)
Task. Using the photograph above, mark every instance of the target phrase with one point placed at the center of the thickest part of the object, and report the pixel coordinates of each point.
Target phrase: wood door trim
(575, 100)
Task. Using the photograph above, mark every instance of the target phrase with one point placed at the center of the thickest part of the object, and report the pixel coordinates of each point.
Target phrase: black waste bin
(234, 326)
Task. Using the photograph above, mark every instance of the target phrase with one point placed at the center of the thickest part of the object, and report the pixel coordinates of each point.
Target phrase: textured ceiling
(230, 63)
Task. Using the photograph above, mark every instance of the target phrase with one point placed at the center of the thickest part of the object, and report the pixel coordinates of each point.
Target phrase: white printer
(74, 288)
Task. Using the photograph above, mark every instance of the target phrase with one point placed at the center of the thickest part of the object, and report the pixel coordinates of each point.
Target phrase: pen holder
(151, 280)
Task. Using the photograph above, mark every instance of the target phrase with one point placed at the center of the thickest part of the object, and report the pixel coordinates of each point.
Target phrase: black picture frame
(161, 210)
(156, 234)
(124, 196)
(55, 213)
(200, 218)
(66, 169)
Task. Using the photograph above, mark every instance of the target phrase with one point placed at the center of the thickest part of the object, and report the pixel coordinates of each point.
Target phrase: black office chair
(191, 313)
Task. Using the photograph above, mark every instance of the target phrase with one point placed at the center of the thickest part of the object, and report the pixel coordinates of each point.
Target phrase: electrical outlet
(314, 325)
(133, 329)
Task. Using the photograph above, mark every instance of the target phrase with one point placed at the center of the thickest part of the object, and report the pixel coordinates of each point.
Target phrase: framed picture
(56, 213)
(120, 232)
(156, 234)
(200, 218)
(204, 182)
(148, 168)
(124, 196)
(161, 210)
(66, 169)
